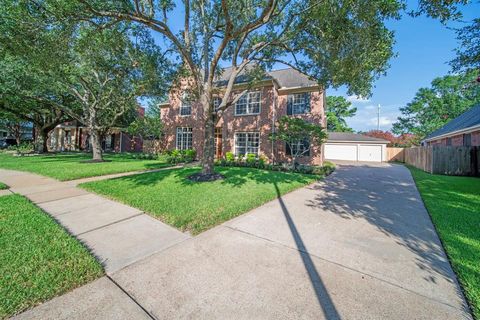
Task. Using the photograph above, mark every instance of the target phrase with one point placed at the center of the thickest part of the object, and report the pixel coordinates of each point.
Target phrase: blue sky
(423, 46)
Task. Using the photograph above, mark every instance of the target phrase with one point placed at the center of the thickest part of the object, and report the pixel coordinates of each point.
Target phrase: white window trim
(184, 104)
(215, 108)
(245, 132)
(248, 102)
(176, 137)
(293, 103)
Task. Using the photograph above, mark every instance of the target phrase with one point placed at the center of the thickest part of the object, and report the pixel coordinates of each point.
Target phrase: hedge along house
(246, 126)
(464, 130)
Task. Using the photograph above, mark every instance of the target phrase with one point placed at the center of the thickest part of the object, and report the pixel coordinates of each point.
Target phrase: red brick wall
(476, 138)
(230, 123)
(457, 140)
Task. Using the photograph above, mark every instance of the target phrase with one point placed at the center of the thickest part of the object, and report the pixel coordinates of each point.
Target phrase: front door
(218, 143)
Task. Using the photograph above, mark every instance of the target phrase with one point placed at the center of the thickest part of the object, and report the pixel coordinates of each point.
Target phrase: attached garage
(354, 147)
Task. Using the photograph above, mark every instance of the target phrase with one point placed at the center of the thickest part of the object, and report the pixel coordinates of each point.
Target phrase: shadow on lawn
(235, 176)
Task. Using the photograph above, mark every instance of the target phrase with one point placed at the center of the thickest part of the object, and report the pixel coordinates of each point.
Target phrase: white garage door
(353, 152)
(370, 153)
(341, 152)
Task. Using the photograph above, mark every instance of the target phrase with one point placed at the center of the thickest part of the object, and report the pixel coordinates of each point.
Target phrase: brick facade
(273, 106)
(457, 140)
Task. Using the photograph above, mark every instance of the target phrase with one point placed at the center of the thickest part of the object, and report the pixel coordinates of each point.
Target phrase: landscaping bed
(198, 206)
(3, 186)
(70, 166)
(454, 206)
(38, 258)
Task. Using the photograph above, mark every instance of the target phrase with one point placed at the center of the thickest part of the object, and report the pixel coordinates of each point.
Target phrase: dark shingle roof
(286, 78)
(352, 137)
(468, 119)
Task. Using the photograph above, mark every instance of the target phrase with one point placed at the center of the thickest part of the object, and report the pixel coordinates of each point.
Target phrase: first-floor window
(299, 148)
(247, 142)
(184, 138)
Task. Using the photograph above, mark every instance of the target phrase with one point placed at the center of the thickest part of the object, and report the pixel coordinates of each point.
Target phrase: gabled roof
(353, 137)
(466, 120)
(286, 78)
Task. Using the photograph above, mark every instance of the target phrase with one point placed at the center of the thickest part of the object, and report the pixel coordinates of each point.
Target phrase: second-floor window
(185, 106)
(216, 103)
(249, 103)
(298, 103)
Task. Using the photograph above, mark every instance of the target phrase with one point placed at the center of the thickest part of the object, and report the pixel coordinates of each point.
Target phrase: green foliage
(180, 156)
(250, 159)
(149, 126)
(229, 156)
(291, 130)
(468, 52)
(39, 259)
(261, 163)
(24, 148)
(337, 109)
(433, 107)
(199, 206)
(454, 206)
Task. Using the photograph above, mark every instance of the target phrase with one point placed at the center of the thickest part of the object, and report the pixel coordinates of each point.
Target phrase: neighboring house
(246, 126)
(73, 136)
(355, 147)
(26, 130)
(461, 131)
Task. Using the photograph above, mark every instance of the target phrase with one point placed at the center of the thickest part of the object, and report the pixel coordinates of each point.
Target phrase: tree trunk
(41, 142)
(95, 140)
(209, 146)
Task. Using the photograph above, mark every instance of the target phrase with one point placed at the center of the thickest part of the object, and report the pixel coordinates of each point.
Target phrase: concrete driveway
(359, 245)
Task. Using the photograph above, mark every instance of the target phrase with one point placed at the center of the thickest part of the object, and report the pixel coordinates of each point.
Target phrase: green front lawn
(454, 205)
(70, 166)
(38, 259)
(198, 206)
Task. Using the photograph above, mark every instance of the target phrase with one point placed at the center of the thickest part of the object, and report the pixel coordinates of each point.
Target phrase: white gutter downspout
(274, 116)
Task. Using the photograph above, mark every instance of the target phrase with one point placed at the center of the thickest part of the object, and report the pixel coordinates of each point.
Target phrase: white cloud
(357, 99)
(366, 118)
(384, 121)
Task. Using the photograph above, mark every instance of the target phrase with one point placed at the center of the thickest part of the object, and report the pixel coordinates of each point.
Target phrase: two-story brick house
(246, 126)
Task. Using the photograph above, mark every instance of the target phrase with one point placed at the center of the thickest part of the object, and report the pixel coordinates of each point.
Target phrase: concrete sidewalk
(116, 234)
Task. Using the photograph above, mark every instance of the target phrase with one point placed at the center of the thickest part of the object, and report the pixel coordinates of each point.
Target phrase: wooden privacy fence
(395, 154)
(459, 161)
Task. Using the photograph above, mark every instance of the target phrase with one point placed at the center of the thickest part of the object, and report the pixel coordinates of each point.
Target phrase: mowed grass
(70, 166)
(198, 206)
(38, 259)
(454, 205)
